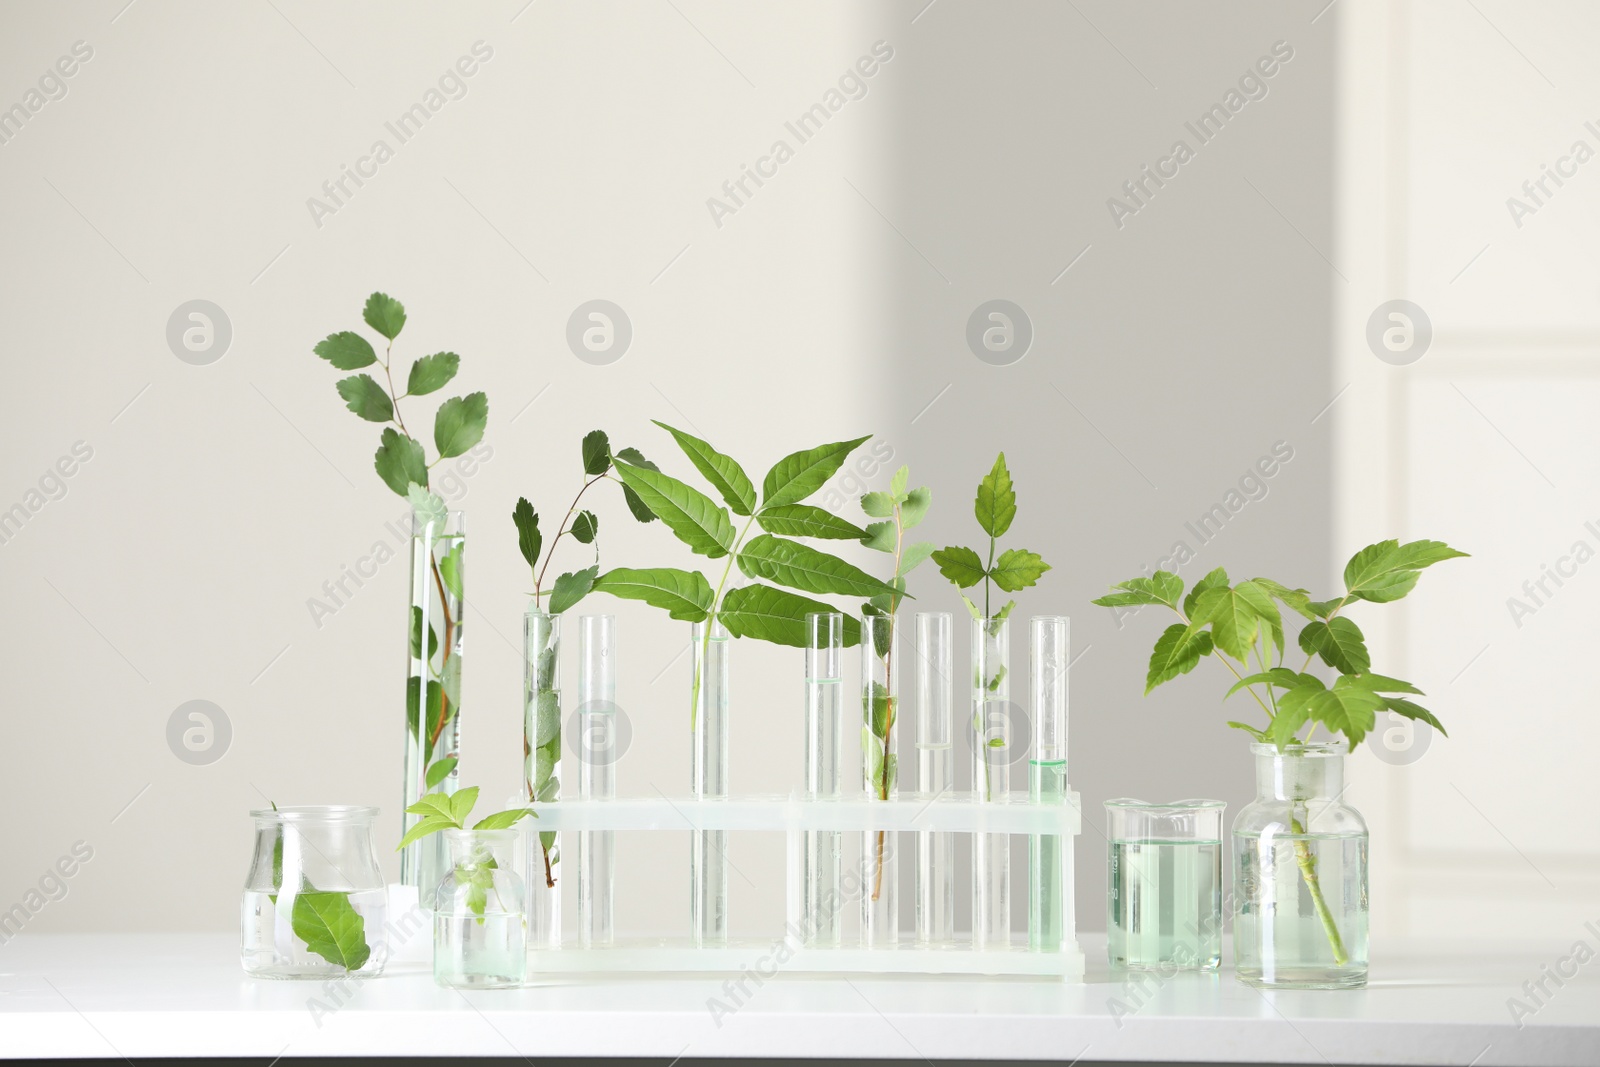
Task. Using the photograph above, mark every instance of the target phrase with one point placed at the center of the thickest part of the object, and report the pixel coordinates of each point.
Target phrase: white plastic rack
(794, 817)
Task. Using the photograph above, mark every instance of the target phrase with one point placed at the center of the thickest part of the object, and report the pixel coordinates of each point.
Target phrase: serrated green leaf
(546, 717)
(364, 396)
(971, 607)
(1125, 599)
(960, 565)
(439, 771)
(331, 927)
(1281, 677)
(879, 536)
(399, 461)
(802, 567)
(685, 595)
(432, 373)
(799, 474)
(694, 518)
(915, 507)
(899, 481)
(877, 505)
(806, 520)
(1388, 570)
(1017, 569)
(1321, 609)
(504, 820)
(1339, 643)
(385, 314)
(428, 509)
(1413, 711)
(459, 424)
(1162, 587)
(1382, 683)
(996, 505)
(586, 527)
(635, 505)
(1251, 730)
(724, 474)
(1217, 579)
(596, 453)
(529, 540)
(571, 588)
(1177, 652)
(912, 556)
(451, 569)
(1235, 616)
(767, 613)
(346, 350)
(1296, 600)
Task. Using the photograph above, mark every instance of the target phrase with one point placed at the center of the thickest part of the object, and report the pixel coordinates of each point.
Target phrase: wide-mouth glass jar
(480, 928)
(314, 899)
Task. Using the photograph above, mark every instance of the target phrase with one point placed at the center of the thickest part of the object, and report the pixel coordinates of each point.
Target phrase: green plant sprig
(1014, 570)
(757, 610)
(1243, 622)
(441, 812)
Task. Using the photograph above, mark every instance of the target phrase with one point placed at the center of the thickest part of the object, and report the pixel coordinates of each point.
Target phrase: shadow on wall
(1153, 357)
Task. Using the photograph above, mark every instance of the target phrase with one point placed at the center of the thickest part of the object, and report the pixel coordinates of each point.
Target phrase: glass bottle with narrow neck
(1300, 873)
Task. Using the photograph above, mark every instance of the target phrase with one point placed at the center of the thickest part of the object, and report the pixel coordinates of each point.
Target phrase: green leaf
(434, 806)
(1413, 711)
(1017, 569)
(725, 475)
(331, 928)
(432, 373)
(880, 713)
(806, 520)
(450, 569)
(915, 507)
(880, 536)
(1321, 609)
(1235, 616)
(1382, 683)
(431, 824)
(504, 820)
(962, 566)
(546, 717)
(1217, 579)
(399, 461)
(450, 685)
(694, 518)
(635, 505)
(802, 567)
(798, 475)
(899, 482)
(346, 351)
(1296, 600)
(1162, 587)
(1388, 570)
(1346, 708)
(1251, 730)
(912, 556)
(1282, 677)
(877, 505)
(1339, 643)
(529, 540)
(1125, 599)
(586, 527)
(461, 804)
(385, 314)
(685, 595)
(439, 771)
(571, 588)
(1177, 652)
(776, 615)
(459, 424)
(996, 505)
(429, 509)
(596, 453)
(364, 396)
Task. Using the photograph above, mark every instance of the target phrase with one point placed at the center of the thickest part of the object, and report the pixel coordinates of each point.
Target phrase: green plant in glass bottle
(1241, 626)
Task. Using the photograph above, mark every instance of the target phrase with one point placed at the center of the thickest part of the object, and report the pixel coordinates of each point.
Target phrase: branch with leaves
(542, 737)
(758, 610)
(1014, 570)
(1243, 624)
(476, 869)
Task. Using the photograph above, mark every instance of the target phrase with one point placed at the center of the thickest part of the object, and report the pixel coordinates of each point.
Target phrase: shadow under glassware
(1164, 900)
(314, 899)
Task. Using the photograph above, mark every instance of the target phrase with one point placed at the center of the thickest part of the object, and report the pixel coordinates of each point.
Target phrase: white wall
(1170, 353)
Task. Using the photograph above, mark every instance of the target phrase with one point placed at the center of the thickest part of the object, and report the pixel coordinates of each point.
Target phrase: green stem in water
(1308, 872)
(711, 622)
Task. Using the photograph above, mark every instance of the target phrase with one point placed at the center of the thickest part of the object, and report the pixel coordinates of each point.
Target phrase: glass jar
(1164, 900)
(314, 899)
(1300, 874)
(480, 931)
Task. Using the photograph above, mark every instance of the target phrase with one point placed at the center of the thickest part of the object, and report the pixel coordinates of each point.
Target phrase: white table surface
(146, 995)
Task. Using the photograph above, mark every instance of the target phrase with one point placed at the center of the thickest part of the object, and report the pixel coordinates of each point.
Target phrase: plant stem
(538, 579)
(1308, 872)
(449, 638)
(711, 621)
